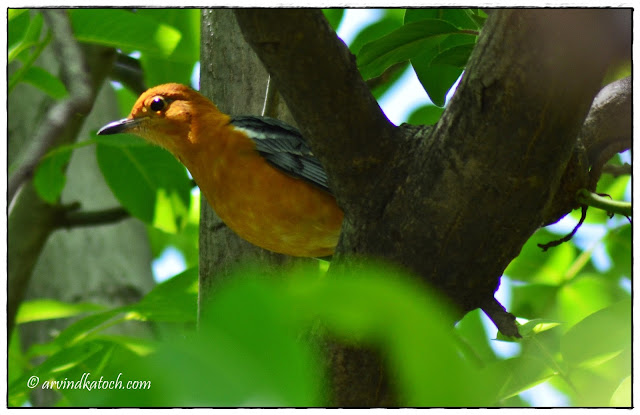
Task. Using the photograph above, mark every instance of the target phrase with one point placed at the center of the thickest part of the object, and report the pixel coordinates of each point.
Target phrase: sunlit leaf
(604, 333)
(45, 309)
(124, 30)
(622, 396)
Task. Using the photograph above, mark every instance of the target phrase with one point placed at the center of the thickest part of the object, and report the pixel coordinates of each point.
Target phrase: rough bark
(454, 203)
(232, 76)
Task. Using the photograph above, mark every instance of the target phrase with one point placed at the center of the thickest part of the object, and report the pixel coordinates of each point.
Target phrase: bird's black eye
(158, 104)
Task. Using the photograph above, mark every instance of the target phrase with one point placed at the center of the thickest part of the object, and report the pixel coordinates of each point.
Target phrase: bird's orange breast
(266, 206)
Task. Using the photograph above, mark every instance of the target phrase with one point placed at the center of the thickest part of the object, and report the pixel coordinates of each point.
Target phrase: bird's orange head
(166, 115)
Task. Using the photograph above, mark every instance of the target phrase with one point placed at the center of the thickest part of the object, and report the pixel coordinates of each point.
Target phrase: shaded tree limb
(128, 72)
(61, 115)
(440, 201)
(503, 320)
(30, 220)
(617, 171)
(233, 78)
(315, 72)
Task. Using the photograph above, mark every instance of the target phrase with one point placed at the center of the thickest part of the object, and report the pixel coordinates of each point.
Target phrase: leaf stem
(614, 206)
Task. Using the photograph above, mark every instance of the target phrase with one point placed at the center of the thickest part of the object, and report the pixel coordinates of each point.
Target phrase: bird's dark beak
(121, 126)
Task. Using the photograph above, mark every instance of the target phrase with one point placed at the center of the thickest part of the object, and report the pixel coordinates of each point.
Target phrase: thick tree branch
(453, 203)
(128, 72)
(318, 78)
(30, 220)
(609, 119)
(605, 132)
(233, 78)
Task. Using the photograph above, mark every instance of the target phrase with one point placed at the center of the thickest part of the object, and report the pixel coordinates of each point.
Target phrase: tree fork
(454, 203)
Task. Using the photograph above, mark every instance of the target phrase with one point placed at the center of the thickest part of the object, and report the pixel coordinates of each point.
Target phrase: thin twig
(568, 237)
(71, 218)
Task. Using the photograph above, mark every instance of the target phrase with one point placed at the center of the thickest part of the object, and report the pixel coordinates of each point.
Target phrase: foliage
(574, 306)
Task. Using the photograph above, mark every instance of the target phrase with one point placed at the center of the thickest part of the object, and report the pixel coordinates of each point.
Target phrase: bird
(258, 174)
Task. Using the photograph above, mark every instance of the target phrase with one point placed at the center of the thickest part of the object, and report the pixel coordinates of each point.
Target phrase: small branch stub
(612, 206)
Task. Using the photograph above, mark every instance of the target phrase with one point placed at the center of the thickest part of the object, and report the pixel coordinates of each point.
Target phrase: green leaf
(533, 300)
(456, 56)
(148, 182)
(425, 115)
(599, 337)
(52, 369)
(45, 309)
(334, 17)
(179, 66)
(622, 396)
(536, 326)
(18, 22)
(46, 82)
(461, 18)
(617, 242)
(586, 295)
(440, 67)
(520, 373)
(124, 30)
(387, 24)
(534, 265)
(475, 339)
(374, 308)
(50, 176)
(31, 37)
(408, 41)
(437, 80)
(87, 327)
(173, 300)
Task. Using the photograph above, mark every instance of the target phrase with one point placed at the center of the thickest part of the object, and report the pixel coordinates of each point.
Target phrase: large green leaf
(617, 242)
(586, 295)
(334, 17)
(50, 177)
(600, 336)
(389, 22)
(45, 81)
(30, 36)
(173, 300)
(440, 67)
(18, 22)
(124, 30)
(425, 115)
(179, 65)
(406, 42)
(149, 183)
(45, 309)
(461, 18)
(534, 265)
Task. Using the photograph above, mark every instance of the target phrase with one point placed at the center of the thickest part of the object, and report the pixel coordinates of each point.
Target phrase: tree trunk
(453, 203)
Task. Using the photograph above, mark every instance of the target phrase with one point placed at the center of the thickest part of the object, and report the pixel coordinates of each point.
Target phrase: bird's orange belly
(271, 209)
